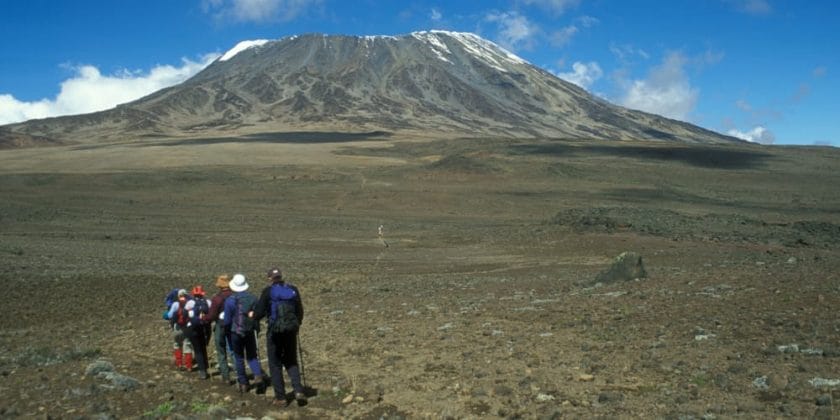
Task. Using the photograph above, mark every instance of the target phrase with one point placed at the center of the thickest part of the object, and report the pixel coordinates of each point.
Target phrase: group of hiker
(231, 318)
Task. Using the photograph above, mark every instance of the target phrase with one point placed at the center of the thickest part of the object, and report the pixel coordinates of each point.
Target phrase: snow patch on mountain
(242, 46)
(440, 49)
(486, 51)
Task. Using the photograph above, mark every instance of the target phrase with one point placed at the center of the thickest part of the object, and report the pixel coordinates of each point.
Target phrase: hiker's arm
(299, 306)
(261, 308)
(230, 307)
(215, 309)
(172, 310)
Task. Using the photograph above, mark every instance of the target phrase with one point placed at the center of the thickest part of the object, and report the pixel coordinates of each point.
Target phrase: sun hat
(182, 292)
(223, 281)
(198, 290)
(275, 274)
(238, 283)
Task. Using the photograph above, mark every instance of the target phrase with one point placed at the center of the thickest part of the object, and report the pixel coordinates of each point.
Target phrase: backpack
(200, 308)
(170, 298)
(283, 316)
(182, 315)
(244, 303)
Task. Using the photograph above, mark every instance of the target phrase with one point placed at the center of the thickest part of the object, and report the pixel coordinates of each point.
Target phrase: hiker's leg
(177, 346)
(289, 343)
(199, 342)
(250, 344)
(274, 366)
(220, 342)
(239, 358)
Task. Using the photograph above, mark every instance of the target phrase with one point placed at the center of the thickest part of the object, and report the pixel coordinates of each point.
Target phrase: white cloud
(758, 134)
(743, 105)
(627, 52)
(563, 36)
(90, 91)
(435, 15)
(258, 10)
(556, 7)
(583, 74)
(515, 30)
(753, 7)
(820, 71)
(666, 90)
(588, 21)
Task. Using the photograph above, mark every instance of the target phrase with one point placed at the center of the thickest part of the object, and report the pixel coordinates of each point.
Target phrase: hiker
(196, 328)
(182, 348)
(381, 235)
(217, 315)
(280, 302)
(240, 325)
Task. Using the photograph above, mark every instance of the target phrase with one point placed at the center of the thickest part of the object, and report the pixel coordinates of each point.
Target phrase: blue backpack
(170, 298)
(241, 323)
(283, 316)
(201, 307)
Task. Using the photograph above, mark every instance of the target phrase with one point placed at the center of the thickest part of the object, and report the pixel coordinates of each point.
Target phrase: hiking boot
(300, 397)
(202, 374)
(259, 385)
(244, 388)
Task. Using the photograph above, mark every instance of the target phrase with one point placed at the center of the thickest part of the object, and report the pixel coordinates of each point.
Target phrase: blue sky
(764, 70)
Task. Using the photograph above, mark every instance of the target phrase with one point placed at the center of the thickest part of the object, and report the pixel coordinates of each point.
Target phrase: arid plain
(483, 304)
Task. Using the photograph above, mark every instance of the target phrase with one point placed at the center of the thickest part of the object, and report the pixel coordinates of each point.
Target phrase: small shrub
(162, 410)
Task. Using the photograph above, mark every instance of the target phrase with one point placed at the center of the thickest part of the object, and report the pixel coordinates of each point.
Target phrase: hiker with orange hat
(196, 328)
(217, 315)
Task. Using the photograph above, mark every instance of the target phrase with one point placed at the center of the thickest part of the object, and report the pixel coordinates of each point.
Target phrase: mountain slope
(436, 83)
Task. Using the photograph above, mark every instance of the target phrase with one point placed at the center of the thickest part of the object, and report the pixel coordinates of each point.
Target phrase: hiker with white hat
(240, 326)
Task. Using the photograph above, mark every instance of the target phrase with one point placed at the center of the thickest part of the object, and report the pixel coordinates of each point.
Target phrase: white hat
(238, 283)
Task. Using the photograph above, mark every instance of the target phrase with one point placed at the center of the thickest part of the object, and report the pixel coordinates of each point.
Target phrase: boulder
(627, 266)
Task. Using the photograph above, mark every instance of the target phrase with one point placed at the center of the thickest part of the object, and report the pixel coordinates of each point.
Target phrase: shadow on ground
(294, 137)
(706, 157)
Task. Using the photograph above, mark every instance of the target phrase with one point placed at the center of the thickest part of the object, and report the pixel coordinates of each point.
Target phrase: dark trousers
(282, 352)
(198, 339)
(245, 348)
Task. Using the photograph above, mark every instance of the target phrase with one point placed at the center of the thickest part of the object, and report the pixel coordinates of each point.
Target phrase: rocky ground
(484, 304)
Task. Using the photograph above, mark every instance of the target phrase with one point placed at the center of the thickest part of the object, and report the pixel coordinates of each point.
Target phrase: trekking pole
(300, 361)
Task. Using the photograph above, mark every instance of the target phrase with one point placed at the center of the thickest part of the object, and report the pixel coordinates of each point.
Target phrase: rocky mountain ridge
(436, 83)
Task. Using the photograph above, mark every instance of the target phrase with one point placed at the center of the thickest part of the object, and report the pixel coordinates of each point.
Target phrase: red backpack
(182, 316)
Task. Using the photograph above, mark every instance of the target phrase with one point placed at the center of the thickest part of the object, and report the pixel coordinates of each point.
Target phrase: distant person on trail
(281, 303)
(381, 234)
(217, 315)
(182, 349)
(196, 328)
(240, 326)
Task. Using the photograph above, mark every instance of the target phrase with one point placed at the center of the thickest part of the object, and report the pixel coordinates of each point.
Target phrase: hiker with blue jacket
(239, 326)
(281, 304)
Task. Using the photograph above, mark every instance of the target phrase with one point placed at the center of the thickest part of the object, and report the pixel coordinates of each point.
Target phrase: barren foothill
(483, 304)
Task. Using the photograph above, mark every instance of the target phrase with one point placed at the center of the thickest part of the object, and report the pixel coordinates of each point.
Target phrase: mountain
(440, 84)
